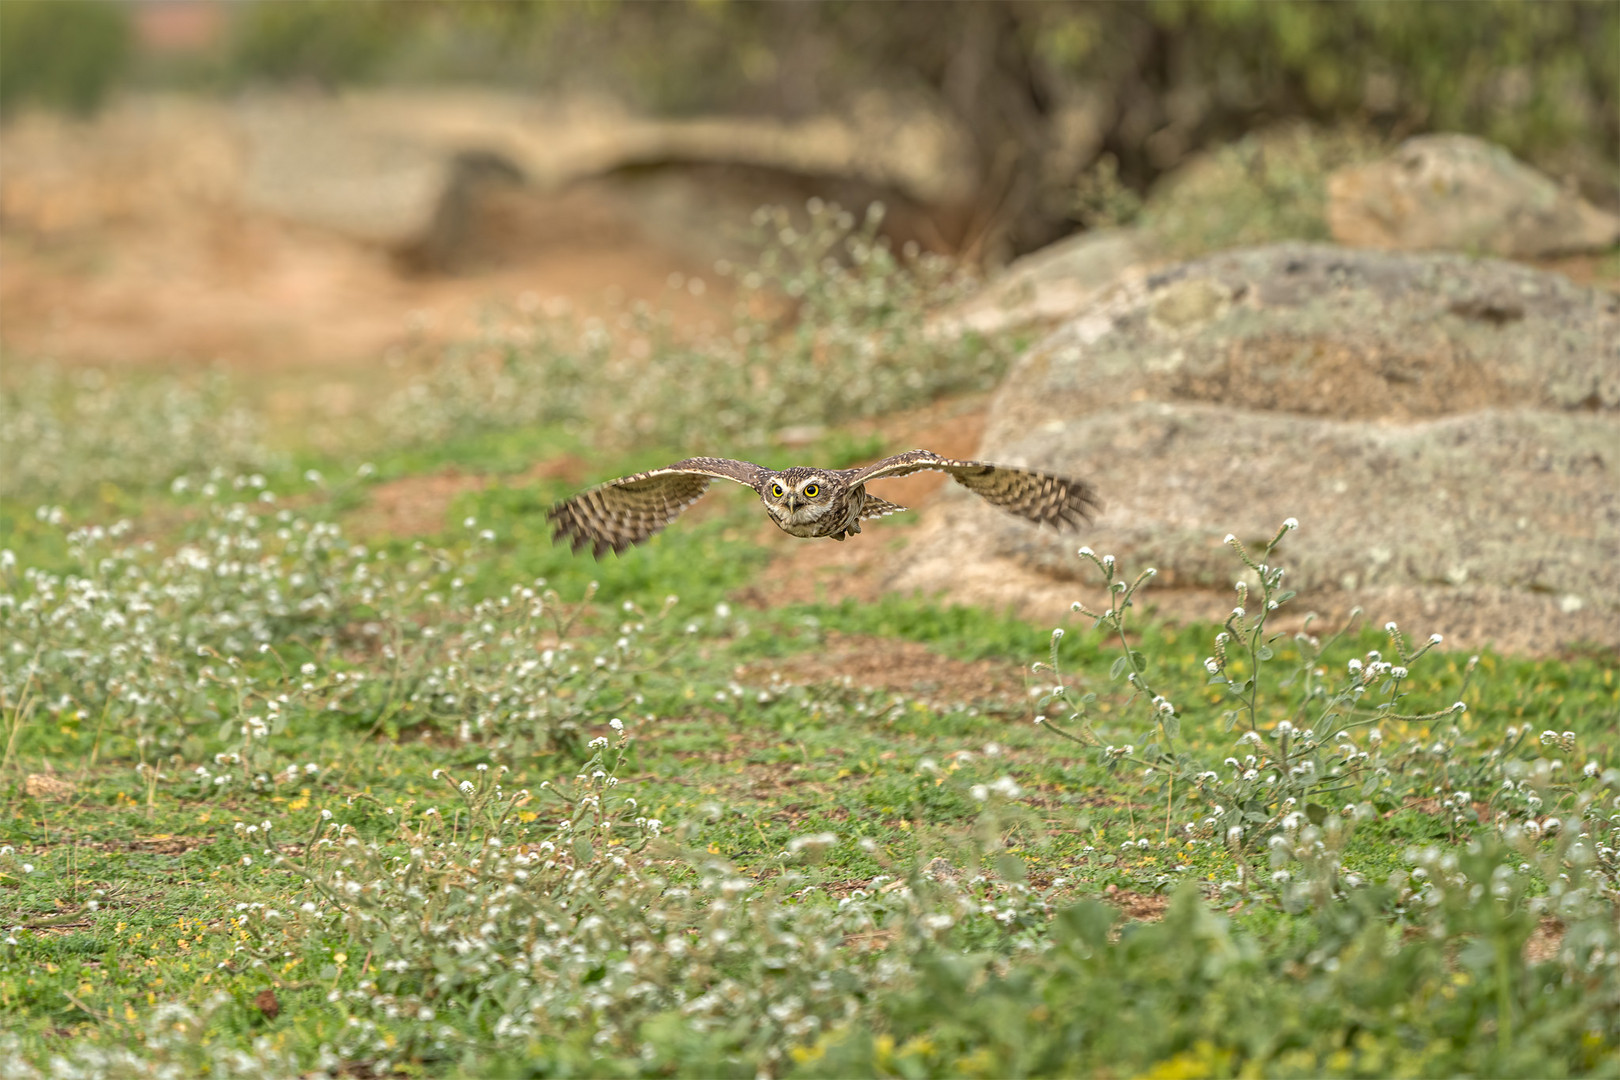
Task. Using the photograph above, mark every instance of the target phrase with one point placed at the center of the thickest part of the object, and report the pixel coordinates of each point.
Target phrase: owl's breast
(815, 521)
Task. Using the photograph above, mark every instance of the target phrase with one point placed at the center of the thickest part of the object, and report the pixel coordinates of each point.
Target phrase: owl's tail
(875, 507)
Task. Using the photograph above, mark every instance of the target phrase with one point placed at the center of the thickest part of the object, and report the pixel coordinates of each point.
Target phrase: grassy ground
(462, 803)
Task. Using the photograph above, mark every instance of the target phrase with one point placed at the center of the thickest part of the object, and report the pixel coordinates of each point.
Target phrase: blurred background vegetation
(1152, 82)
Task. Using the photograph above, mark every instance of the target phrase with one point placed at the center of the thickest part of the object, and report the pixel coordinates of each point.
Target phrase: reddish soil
(47, 786)
(1545, 941)
(420, 505)
(888, 664)
(1137, 907)
(174, 285)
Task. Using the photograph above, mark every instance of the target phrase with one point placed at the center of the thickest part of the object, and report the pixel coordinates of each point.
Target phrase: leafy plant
(67, 434)
(1298, 729)
(1266, 186)
(64, 54)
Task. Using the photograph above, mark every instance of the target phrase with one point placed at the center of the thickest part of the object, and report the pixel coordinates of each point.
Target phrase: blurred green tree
(65, 54)
(324, 42)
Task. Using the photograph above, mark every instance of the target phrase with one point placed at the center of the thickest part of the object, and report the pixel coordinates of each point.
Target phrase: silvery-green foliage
(1481, 892)
(155, 642)
(566, 915)
(543, 369)
(172, 1041)
(857, 342)
(262, 618)
(1564, 819)
(64, 434)
(1303, 729)
(830, 325)
(510, 675)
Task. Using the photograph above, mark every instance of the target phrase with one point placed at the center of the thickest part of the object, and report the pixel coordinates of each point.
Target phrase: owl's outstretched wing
(1040, 497)
(626, 511)
(875, 507)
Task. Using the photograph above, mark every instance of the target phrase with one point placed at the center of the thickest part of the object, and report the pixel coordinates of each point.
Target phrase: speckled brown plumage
(803, 501)
(1043, 498)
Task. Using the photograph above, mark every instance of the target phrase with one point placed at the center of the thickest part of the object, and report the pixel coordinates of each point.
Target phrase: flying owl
(802, 501)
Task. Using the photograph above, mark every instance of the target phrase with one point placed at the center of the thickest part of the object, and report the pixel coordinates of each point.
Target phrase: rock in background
(397, 167)
(1047, 285)
(1447, 432)
(1460, 193)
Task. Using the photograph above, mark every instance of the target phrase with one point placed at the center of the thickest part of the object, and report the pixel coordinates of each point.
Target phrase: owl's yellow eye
(776, 491)
(811, 491)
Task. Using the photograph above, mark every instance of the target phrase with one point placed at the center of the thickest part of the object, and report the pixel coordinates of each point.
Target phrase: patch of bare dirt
(160, 844)
(420, 505)
(47, 786)
(1545, 941)
(412, 505)
(872, 941)
(1137, 907)
(891, 664)
(164, 281)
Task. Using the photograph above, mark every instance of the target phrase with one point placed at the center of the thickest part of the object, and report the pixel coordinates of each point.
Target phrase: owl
(802, 501)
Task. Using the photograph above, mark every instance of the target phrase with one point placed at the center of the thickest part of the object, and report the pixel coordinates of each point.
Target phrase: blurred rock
(1053, 283)
(1447, 432)
(1460, 193)
(317, 162)
(556, 141)
(398, 167)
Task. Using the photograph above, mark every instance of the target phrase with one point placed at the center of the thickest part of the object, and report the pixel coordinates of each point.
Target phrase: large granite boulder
(1447, 432)
(1461, 193)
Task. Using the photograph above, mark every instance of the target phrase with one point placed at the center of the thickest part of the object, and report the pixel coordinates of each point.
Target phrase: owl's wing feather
(626, 511)
(875, 507)
(1043, 498)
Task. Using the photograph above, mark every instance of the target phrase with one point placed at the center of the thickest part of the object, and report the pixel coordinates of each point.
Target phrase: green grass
(814, 878)
(134, 893)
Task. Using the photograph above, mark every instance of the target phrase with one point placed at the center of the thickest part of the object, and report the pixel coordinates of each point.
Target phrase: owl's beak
(794, 502)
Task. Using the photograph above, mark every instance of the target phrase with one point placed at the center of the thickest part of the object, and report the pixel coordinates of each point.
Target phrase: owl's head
(798, 495)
